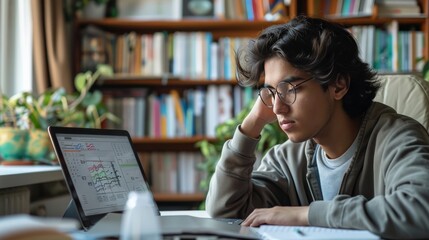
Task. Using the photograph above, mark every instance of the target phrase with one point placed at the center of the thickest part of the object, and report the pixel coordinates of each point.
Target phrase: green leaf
(80, 81)
(76, 119)
(112, 117)
(93, 98)
(426, 71)
(105, 70)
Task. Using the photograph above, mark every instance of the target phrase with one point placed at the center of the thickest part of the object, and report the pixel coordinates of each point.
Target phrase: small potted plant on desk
(55, 107)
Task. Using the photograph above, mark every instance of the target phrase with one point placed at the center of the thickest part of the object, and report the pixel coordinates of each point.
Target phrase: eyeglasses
(286, 92)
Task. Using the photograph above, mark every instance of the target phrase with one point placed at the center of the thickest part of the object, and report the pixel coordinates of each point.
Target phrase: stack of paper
(270, 232)
(23, 227)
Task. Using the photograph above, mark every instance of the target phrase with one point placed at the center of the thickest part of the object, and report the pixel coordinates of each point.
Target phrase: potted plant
(13, 139)
(83, 108)
(270, 136)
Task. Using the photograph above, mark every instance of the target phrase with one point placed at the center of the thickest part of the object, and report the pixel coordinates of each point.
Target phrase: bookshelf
(405, 28)
(139, 84)
(131, 84)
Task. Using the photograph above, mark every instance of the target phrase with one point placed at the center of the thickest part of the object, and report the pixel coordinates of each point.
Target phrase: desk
(17, 176)
(174, 224)
(15, 182)
(194, 213)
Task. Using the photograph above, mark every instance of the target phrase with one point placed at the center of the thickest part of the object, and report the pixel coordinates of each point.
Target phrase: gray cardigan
(385, 190)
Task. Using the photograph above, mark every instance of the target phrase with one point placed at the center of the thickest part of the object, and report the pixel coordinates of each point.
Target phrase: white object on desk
(271, 232)
(140, 220)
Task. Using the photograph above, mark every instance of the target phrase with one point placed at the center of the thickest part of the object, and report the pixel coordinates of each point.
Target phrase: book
(159, 53)
(214, 62)
(398, 11)
(274, 232)
(180, 113)
(199, 106)
(128, 114)
(211, 110)
(224, 103)
(141, 116)
(393, 29)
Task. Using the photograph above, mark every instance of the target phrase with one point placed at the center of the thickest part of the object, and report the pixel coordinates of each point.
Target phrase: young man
(349, 162)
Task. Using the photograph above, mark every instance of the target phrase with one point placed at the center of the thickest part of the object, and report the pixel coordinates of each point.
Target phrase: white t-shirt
(331, 171)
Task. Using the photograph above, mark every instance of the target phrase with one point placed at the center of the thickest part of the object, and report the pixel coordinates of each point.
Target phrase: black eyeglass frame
(280, 95)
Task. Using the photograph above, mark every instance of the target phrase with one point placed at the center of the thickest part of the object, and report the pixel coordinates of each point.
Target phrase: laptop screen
(102, 168)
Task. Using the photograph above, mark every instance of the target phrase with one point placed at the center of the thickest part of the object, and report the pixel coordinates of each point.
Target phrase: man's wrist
(251, 128)
(304, 216)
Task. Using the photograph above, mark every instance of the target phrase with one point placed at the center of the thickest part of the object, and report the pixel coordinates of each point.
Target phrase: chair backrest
(407, 94)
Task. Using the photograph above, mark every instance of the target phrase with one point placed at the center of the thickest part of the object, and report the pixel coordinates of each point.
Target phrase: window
(16, 71)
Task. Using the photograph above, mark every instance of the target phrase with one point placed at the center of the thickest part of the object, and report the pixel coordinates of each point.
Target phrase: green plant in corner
(8, 113)
(13, 138)
(270, 136)
(426, 71)
(55, 107)
(425, 68)
(83, 108)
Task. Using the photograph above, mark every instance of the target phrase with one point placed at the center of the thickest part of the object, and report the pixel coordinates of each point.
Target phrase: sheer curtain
(34, 52)
(16, 71)
(51, 48)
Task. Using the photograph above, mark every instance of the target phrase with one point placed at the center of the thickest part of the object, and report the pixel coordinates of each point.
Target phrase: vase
(39, 147)
(13, 143)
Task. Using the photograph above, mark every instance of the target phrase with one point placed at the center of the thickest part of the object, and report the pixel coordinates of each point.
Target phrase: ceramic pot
(39, 146)
(13, 143)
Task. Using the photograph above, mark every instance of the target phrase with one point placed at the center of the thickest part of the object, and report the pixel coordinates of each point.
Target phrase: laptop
(101, 167)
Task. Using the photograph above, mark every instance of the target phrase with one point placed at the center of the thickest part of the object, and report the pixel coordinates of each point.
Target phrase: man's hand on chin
(290, 216)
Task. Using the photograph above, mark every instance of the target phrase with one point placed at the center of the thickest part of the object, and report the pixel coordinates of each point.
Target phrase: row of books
(389, 49)
(190, 55)
(193, 112)
(208, 9)
(194, 55)
(363, 8)
(398, 8)
(341, 8)
(173, 172)
(252, 9)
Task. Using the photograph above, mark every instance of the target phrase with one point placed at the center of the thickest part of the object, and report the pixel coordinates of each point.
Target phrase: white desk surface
(16, 176)
(194, 213)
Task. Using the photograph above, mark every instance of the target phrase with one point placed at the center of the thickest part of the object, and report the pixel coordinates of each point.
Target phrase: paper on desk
(270, 232)
(20, 223)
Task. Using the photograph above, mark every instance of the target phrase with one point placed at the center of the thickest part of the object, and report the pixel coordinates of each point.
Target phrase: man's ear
(340, 87)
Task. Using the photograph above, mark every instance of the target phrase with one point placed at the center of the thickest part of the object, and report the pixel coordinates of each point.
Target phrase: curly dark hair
(325, 50)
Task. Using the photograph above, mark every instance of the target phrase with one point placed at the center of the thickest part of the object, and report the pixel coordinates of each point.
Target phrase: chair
(407, 94)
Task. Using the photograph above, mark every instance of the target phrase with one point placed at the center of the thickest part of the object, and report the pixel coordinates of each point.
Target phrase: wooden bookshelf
(132, 81)
(127, 83)
(174, 144)
(218, 29)
(223, 27)
(418, 21)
